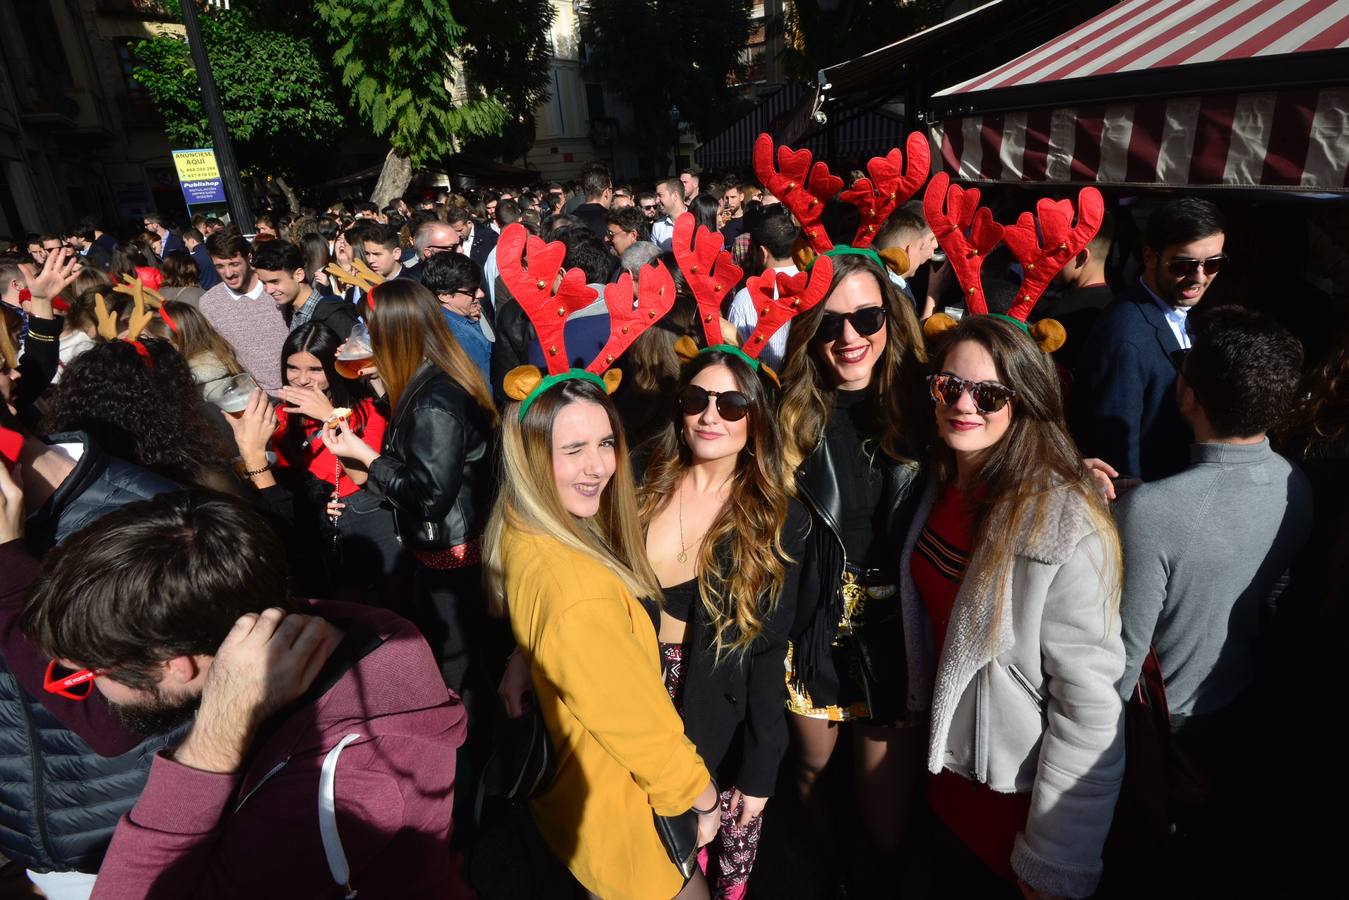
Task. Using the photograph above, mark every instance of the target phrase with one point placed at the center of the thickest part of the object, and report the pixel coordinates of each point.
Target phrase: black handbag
(522, 763)
(679, 834)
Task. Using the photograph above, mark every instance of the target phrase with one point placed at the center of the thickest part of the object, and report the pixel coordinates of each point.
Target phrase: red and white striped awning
(1158, 68)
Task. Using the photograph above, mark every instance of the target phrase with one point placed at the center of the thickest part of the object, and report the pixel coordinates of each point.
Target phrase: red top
(316, 457)
(985, 821)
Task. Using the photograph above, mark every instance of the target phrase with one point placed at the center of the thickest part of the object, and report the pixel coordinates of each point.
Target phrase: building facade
(78, 137)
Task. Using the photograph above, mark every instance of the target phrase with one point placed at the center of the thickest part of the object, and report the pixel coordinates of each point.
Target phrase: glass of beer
(233, 401)
(355, 354)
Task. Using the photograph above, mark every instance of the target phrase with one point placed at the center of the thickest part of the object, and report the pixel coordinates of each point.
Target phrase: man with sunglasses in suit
(1124, 393)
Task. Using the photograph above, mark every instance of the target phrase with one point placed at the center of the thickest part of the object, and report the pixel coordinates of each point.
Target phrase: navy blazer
(171, 243)
(1124, 394)
(484, 239)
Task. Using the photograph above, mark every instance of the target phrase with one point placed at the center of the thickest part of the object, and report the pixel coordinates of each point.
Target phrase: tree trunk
(394, 179)
(291, 200)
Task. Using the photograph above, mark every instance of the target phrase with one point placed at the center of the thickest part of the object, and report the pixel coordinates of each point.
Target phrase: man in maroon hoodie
(320, 760)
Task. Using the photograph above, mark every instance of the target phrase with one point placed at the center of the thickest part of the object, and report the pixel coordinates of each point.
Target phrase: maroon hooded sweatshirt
(259, 833)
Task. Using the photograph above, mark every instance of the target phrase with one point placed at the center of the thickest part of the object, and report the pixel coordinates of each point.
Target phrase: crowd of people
(335, 544)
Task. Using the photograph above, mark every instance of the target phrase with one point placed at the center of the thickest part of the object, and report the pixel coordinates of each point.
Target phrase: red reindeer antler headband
(802, 188)
(1042, 247)
(796, 294)
(1044, 255)
(895, 178)
(805, 188)
(532, 286)
(710, 271)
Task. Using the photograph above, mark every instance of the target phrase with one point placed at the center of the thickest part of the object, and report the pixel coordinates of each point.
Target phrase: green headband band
(845, 250)
(1017, 322)
(734, 351)
(553, 380)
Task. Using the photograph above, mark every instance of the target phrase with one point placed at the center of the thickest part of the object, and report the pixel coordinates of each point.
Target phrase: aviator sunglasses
(731, 405)
(1183, 266)
(865, 321)
(988, 396)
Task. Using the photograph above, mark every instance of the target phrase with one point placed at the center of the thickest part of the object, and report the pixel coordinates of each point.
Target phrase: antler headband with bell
(711, 274)
(529, 267)
(805, 188)
(1042, 243)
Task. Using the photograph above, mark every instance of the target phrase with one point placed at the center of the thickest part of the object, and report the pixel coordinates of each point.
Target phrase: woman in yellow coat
(565, 556)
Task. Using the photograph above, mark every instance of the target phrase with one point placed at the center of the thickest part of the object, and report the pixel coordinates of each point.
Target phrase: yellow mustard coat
(620, 746)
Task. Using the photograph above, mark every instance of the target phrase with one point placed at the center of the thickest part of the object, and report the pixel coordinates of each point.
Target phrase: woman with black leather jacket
(435, 465)
(853, 433)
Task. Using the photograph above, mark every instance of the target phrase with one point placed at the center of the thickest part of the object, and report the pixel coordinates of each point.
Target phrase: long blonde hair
(1033, 460)
(750, 524)
(407, 327)
(528, 498)
(194, 334)
(897, 378)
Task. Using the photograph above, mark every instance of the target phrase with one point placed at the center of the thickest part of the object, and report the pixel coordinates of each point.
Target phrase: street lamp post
(220, 137)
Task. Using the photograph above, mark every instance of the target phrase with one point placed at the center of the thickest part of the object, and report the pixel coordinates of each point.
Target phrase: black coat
(1124, 391)
(435, 468)
(738, 703)
(59, 800)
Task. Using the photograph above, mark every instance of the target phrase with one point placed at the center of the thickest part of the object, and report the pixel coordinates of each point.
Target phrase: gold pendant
(682, 557)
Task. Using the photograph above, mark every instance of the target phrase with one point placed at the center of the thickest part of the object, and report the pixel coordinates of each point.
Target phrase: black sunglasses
(988, 396)
(731, 405)
(865, 321)
(1183, 266)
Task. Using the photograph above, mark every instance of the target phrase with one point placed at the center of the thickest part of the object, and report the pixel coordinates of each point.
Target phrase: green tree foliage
(275, 88)
(508, 57)
(662, 54)
(397, 56)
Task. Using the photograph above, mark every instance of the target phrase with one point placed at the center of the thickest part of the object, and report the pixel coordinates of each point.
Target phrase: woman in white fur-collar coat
(1010, 593)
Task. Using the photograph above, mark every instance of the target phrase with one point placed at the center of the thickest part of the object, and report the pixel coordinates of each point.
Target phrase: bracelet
(716, 804)
(252, 473)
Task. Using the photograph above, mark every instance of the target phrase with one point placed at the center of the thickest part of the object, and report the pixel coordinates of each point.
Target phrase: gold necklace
(683, 556)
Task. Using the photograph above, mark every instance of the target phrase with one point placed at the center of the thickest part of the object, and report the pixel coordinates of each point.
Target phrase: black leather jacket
(819, 605)
(435, 466)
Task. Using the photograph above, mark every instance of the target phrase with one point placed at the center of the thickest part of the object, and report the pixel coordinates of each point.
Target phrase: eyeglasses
(1182, 266)
(649, 207)
(865, 321)
(988, 396)
(75, 686)
(731, 405)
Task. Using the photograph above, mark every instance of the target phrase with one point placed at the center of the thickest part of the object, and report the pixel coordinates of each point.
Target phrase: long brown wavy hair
(903, 426)
(528, 499)
(195, 334)
(1322, 416)
(1034, 459)
(747, 533)
(407, 328)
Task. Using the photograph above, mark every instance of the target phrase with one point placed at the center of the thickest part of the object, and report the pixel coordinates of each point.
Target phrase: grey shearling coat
(1026, 700)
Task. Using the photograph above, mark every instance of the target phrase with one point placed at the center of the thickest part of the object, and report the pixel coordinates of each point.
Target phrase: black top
(848, 434)
(1076, 310)
(679, 599)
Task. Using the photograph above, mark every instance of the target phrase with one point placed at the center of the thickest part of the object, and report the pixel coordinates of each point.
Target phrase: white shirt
(662, 233)
(253, 294)
(744, 317)
(466, 245)
(1176, 317)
